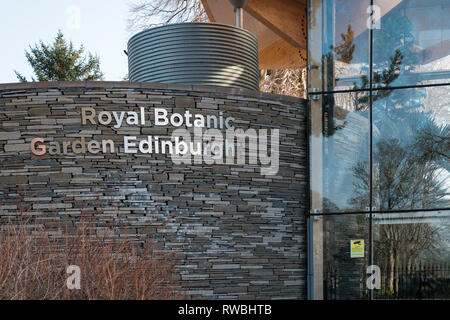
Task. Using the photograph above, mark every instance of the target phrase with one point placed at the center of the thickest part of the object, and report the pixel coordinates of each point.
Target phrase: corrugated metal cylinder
(195, 53)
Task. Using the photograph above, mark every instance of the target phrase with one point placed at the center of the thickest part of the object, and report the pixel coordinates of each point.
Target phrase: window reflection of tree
(410, 151)
(335, 115)
(410, 154)
(410, 148)
(406, 175)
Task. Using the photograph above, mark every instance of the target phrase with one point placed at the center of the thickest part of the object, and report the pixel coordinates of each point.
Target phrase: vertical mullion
(370, 140)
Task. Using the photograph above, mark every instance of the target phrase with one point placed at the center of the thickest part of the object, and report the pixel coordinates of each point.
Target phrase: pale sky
(100, 25)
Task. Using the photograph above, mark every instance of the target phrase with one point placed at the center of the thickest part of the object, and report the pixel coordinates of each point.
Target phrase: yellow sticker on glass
(357, 248)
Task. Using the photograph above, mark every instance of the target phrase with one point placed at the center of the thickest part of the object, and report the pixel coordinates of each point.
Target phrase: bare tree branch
(149, 13)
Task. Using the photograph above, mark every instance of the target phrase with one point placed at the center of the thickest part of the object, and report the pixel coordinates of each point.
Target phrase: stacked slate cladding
(239, 234)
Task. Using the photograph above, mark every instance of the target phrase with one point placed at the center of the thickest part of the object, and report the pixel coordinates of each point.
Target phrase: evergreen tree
(60, 61)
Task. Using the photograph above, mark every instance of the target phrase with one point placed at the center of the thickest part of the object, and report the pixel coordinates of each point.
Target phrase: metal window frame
(371, 212)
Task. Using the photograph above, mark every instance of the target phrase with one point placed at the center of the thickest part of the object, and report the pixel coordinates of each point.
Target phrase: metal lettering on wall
(206, 139)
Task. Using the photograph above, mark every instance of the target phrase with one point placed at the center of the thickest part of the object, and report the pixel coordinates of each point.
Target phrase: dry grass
(290, 82)
(34, 260)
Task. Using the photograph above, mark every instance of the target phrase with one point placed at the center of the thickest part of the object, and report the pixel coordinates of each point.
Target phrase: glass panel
(412, 45)
(339, 149)
(341, 256)
(413, 253)
(339, 50)
(411, 149)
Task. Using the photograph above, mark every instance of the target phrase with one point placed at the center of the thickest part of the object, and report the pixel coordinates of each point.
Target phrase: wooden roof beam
(282, 55)
(208, 10)
(286, 18)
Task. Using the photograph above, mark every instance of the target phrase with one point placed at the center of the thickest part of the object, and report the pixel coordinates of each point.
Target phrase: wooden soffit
(280, 27)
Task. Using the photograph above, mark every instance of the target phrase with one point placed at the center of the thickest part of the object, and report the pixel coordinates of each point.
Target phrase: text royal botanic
(196, 139)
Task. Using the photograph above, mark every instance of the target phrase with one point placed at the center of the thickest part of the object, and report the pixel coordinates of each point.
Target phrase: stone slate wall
(240, 234)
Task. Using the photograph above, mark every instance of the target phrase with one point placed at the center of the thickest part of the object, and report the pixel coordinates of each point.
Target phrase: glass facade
(413, 39)
(379, 110)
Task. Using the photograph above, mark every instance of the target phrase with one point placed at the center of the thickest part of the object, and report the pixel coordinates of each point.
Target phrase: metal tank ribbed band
(195, 53)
